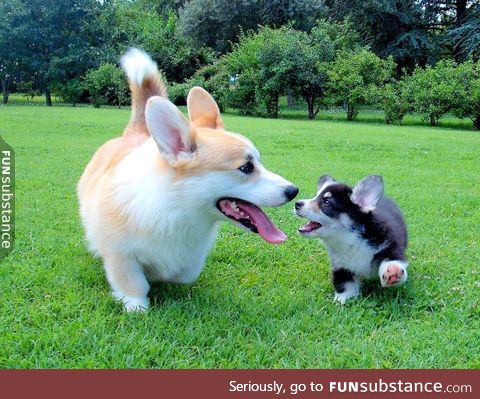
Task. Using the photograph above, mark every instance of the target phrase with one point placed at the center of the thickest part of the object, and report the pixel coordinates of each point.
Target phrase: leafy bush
(107, 85)
(177, 93)
(243, 63)
(433, 91)
(74, 91)
(356, 78)
(213, 78)
(467, 103)
(269, 64)
(393, 102)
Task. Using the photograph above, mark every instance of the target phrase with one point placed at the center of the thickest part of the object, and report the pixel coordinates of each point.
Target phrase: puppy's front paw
(351, 290)
(392, 274)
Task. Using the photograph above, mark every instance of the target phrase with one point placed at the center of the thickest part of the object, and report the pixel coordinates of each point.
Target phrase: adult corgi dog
(151, 200)
(364, 231)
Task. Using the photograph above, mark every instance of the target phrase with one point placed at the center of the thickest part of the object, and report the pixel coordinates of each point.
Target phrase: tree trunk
(460, 10)
(5, 84)
(48, 97)
(290, 100)
(311, 112)
(350, 112)
(476, 122)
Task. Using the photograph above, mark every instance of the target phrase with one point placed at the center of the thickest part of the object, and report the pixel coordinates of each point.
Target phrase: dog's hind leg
(127, 279)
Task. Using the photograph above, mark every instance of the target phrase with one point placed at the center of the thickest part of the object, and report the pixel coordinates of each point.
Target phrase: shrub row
(323, 68)
(434, 91)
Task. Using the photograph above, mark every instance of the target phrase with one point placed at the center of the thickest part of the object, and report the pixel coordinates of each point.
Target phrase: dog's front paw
(342, 297)
(392, 274)
(132, 304)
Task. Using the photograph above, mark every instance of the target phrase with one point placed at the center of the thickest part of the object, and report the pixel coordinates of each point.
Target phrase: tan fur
(152, 86)
(203, 110)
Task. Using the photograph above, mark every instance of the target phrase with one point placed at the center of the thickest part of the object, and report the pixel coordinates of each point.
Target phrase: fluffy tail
(145, 82)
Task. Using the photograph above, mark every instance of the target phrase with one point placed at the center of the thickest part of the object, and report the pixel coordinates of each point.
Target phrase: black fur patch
(340, 277)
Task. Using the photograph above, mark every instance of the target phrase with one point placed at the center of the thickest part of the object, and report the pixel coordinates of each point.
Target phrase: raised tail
(144, 81)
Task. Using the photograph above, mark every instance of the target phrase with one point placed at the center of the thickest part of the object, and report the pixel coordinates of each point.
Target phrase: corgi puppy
(365, 233)
(151, 200)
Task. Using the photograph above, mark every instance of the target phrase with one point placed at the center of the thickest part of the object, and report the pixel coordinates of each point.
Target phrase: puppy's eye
(326, 202)
(247, 168)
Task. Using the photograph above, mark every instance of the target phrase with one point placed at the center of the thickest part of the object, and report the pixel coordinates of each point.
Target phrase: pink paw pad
(393, 274)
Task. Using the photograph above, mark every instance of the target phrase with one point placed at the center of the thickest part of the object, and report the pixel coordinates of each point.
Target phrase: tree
(464, 37)
(467, 98)
(132, 25)
(218, 23)
(393, 102)
(394, 28)
(268, 64)
(299, 14)
(58, 39)
(356, 77)
(311, 54)
(433, 91)
(107, 85)
(11, 33)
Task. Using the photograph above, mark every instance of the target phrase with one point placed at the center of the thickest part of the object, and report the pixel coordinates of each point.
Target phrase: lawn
(255, 305)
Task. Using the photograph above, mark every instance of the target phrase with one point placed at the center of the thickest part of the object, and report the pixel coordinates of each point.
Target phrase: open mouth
(251, 217)
(309, 227)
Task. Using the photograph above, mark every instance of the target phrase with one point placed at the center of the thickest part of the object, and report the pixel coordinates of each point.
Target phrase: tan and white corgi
(151, 200)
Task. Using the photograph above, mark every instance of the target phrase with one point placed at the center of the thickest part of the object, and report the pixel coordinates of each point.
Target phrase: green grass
(298, 111)
(255, 305)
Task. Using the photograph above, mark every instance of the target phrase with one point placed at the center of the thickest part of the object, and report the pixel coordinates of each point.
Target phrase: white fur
(351, 290)
(132, 304)
(349, 250)
(325, 185)
(138, 65)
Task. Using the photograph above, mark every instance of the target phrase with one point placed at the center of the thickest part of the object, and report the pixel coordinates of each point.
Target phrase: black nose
(291, 192)
(298, 205)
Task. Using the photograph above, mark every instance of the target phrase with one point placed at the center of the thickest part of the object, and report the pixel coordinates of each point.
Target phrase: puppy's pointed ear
(368, 192)
(168, 127)
(203, 111)
(323, 181)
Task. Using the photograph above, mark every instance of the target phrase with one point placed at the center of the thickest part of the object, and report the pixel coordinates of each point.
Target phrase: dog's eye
(326, 202)
(247, 168)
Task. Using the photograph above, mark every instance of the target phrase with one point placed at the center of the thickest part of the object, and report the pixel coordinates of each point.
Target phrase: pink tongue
(267, 230)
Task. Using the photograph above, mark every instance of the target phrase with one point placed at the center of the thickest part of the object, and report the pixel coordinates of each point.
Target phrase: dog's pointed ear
(203, 111)
(368, 192)
(325, 179)
(169, 128)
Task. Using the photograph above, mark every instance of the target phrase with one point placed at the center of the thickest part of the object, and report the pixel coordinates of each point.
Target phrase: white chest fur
(348, 250)
(167, 230)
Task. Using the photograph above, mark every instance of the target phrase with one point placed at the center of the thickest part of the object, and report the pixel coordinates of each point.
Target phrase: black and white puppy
(365, 233)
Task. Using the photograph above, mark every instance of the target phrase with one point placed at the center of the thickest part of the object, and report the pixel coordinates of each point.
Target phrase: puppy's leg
(128, 281)
(392, 273)
(346, 284)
